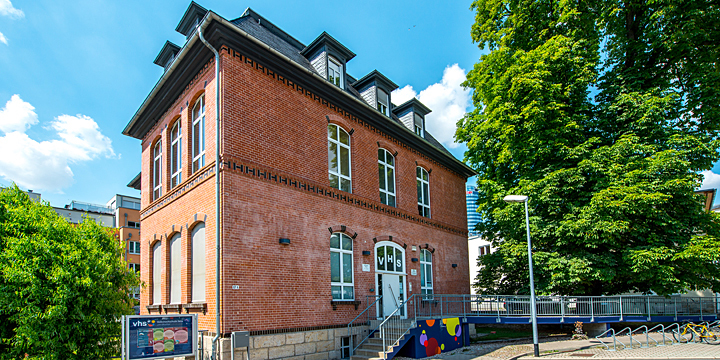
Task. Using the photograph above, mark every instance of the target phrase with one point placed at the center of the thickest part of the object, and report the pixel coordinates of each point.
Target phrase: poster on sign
(159, 337)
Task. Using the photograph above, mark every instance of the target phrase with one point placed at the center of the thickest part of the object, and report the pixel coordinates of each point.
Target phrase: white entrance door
(391, 293)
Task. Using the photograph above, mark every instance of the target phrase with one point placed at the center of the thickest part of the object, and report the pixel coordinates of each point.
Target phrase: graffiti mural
(438, 336)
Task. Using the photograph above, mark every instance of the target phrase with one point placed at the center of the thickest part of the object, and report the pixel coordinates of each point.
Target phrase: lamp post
(533, 314)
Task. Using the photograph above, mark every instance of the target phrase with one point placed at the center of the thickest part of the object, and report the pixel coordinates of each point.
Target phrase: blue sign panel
(154, 337)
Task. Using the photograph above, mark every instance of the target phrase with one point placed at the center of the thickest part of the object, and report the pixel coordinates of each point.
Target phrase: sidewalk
(593, 349)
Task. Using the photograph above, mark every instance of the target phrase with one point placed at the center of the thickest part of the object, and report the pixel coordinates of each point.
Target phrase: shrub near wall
(63, 288)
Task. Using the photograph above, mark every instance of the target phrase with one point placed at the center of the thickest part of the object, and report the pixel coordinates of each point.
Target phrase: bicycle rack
(612, 331)
(637, 341)
(677, 342)
(629, 333)
(662, 330)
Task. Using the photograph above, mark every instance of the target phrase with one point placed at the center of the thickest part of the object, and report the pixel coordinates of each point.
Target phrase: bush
(63, 287)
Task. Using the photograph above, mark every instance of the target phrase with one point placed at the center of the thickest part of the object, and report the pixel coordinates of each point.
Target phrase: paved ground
(593, 349)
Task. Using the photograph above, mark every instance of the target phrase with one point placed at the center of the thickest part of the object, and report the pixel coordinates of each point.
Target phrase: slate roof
(259, 28)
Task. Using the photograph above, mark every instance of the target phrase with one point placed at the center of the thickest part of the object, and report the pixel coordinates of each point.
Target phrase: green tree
(603, 112)
(63, 288)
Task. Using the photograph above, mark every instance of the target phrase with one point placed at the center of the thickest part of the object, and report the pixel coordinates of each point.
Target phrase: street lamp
(533, 314)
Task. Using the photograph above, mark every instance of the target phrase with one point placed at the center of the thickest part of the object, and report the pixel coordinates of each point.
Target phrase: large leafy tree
(603, 112)
(63, 288)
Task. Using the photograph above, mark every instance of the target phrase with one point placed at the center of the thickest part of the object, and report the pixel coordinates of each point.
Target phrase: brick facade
(274, 184)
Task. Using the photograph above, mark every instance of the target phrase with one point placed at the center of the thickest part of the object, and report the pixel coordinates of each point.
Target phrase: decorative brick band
(240, 57)
(259, 172)
(343, 229)
(197, 178)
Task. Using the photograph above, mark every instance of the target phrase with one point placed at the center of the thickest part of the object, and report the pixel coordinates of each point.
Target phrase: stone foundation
(304, 345)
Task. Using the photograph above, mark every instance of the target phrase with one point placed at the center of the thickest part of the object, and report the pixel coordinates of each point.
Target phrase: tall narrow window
(339, 158)
(157, 274)
(382, 102)
(335, 73)
(426, 278)
(198, 263)
(423, 192)
(386, 173)
(198, 134)
(341, 267)
(419, 125)
(157, 170)
(176, 155)
(175, 274)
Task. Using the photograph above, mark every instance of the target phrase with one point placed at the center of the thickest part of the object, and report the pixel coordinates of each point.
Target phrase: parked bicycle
(692, 332)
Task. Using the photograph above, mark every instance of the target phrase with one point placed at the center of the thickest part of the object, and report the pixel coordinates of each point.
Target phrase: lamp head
(515, 198)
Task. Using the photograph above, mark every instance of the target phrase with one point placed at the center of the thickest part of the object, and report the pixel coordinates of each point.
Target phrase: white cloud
(7, 9)
(711, 180)
(448, 101)
(3, 39)
(17, 115)
(45, 165)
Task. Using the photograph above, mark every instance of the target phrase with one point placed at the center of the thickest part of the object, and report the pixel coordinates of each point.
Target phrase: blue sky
(72, 74)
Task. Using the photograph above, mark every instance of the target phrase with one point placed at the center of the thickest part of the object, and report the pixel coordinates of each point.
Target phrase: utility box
(240, 339)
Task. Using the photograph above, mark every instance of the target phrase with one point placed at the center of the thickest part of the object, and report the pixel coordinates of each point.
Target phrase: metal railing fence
(431, 306)
(358, 324)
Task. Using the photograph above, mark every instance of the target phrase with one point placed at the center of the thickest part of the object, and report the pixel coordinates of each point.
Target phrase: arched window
(157, 274)
(339, 158)
(176, 155)
(198, 263)
(386, 173)
(198, 134)
(426, 277)
(157, 170)
(423, 192)
(341, 267)
(175, 267)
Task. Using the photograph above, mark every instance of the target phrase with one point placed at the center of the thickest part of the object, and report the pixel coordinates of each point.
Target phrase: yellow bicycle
(698, 332)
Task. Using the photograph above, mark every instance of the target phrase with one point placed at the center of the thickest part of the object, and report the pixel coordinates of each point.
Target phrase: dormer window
(382, 102)
(418, 125)
(335, 72)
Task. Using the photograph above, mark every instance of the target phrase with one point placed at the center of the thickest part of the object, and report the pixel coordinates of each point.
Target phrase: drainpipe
(217, 193)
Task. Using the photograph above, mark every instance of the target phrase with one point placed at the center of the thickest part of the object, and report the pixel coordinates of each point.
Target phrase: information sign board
(159, 337)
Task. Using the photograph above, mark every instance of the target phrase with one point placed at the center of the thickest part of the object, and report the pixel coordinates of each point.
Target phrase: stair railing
(353, 333)
(393, 328)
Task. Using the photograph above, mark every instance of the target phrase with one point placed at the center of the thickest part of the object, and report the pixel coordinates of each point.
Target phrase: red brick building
(329, 194)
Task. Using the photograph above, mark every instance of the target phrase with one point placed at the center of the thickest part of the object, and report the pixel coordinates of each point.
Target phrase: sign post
(159, 337)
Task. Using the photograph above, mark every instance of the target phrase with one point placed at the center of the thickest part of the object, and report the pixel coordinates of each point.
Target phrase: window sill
(335, 303)
(195, 307)
(172, 307)
(151, 308)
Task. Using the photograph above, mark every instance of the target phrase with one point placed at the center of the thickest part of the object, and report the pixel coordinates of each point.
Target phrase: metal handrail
(396, 336)
(352, 349)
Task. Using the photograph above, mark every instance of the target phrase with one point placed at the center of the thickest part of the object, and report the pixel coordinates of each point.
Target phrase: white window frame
(198, 135)
(423, 179)
(342, 284)
(345, 347)
(134, 247)
(336, 145)
(334, 67)
(426, 289)
(198, 268)
(176, 154)
(157, 170)
(418, 121)
(383, 167)
(134, 267)
(175, 269)
(383, 107)
(157, 273)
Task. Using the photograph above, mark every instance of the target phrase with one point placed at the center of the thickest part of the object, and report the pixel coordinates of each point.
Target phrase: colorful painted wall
(438, 336)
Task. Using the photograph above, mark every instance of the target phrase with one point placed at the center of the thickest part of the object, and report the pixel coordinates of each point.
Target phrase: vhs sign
(159, 337)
